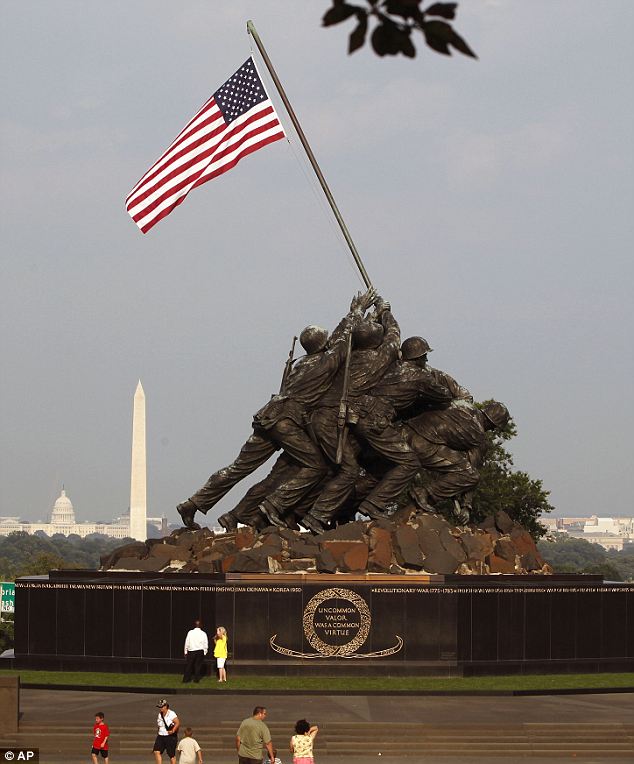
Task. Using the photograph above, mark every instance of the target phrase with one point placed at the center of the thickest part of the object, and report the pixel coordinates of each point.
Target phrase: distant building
(62, 520)
(616, 525)
(158, 524)
(612, 533)
(607, 540)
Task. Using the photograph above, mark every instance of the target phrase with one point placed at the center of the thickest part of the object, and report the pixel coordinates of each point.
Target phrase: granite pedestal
(319, 624)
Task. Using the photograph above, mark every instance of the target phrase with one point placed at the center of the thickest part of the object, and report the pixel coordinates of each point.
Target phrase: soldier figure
(451, 445)
(375, 348)
(280, 424)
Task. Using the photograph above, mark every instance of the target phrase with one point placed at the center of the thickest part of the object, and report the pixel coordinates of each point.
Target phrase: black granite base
(320, 624)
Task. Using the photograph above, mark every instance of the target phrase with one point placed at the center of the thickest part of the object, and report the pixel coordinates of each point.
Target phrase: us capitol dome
(62, 512)
(62, 520)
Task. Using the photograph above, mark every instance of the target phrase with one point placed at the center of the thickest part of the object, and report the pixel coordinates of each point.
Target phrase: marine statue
(357, 418)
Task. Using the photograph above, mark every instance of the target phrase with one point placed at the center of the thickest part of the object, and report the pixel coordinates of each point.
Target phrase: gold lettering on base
(336, 630)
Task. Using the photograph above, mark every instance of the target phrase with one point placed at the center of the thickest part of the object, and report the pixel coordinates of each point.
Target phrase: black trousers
(194, 665)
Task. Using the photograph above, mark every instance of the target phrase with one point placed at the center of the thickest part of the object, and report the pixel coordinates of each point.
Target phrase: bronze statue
(356, 418)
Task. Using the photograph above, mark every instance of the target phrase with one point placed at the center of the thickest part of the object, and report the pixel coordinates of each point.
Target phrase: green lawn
(331, 684)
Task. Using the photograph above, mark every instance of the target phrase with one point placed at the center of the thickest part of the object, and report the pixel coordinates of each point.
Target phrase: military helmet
(367, 334)
(313, 339)
(496, 413)
(414, 347)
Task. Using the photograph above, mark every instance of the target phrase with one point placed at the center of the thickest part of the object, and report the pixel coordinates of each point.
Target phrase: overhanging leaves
(340, 12)
(357, 38)
(395, 22)
(446, 10)
(440, 36)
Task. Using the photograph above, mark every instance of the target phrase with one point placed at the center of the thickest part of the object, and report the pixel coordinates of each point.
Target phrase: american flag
(237, 120)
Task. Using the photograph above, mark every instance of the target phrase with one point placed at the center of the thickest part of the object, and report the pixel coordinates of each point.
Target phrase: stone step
(356, 737)
(332, 740)
(132, 742)
(363, 728)
(385, 747)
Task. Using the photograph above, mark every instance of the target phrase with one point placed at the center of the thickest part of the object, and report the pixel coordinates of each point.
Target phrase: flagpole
(346, 234)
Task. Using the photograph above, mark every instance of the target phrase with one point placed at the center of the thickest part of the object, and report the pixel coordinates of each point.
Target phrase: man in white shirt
(167, 736)
(196, 646)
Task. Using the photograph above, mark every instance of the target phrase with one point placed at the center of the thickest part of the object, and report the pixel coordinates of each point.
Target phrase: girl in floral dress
(302, 742)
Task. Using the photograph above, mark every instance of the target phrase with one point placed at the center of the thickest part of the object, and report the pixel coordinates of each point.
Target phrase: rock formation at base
(409, 542)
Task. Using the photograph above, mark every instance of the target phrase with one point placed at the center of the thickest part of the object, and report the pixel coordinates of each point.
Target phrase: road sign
(7, 597)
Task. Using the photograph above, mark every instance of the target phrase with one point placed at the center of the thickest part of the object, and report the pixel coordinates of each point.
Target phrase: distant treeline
(23, 554)
(573, 555)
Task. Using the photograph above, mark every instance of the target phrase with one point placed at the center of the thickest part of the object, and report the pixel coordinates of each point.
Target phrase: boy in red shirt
(100, 734)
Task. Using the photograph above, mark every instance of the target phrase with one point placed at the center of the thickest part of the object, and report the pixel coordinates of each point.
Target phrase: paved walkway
(64, 706)
(70, 709)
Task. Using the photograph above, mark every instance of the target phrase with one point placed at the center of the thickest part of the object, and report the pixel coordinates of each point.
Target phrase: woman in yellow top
(220, 652)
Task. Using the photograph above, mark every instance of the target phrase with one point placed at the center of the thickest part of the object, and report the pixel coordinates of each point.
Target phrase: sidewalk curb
(398, 693)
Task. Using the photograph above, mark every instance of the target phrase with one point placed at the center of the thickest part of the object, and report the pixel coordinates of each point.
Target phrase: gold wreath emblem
(346, 650)
(365, 619)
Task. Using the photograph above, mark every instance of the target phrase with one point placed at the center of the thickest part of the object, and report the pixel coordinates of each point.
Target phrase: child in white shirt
(190, 752)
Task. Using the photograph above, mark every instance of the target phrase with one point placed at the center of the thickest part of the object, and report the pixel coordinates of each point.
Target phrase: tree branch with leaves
(394, 24)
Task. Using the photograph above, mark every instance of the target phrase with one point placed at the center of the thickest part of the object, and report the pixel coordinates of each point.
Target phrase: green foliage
(573, 555)
(502, 488)
(23, 554)
(6, 633)
(607, 570)
(623, 561)
(395, 21)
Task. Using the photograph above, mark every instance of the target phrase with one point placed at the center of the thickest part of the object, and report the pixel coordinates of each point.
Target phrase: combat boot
(187, 510)
(370, 510)
(272, 514)
(313, 524)
(228, 522)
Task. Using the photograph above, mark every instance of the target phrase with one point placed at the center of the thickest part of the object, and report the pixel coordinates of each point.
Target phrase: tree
(23, 554)
(395, 21)
(568, 554)
(41, 564)
(623, 561)
(502, 488)
(607, 570)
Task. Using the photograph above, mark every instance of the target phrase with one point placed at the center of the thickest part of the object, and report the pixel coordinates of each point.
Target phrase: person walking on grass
(220, 652)
(190, 751)
(252, 736)
(167, 736)
(302, 742)
(100, 734)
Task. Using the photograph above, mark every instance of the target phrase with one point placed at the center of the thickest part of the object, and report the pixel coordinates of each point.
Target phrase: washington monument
(138, 480)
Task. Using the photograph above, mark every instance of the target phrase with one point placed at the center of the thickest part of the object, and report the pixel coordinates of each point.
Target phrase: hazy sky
(491, 202)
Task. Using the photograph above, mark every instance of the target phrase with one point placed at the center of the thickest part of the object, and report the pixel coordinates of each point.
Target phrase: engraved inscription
(337, 622)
